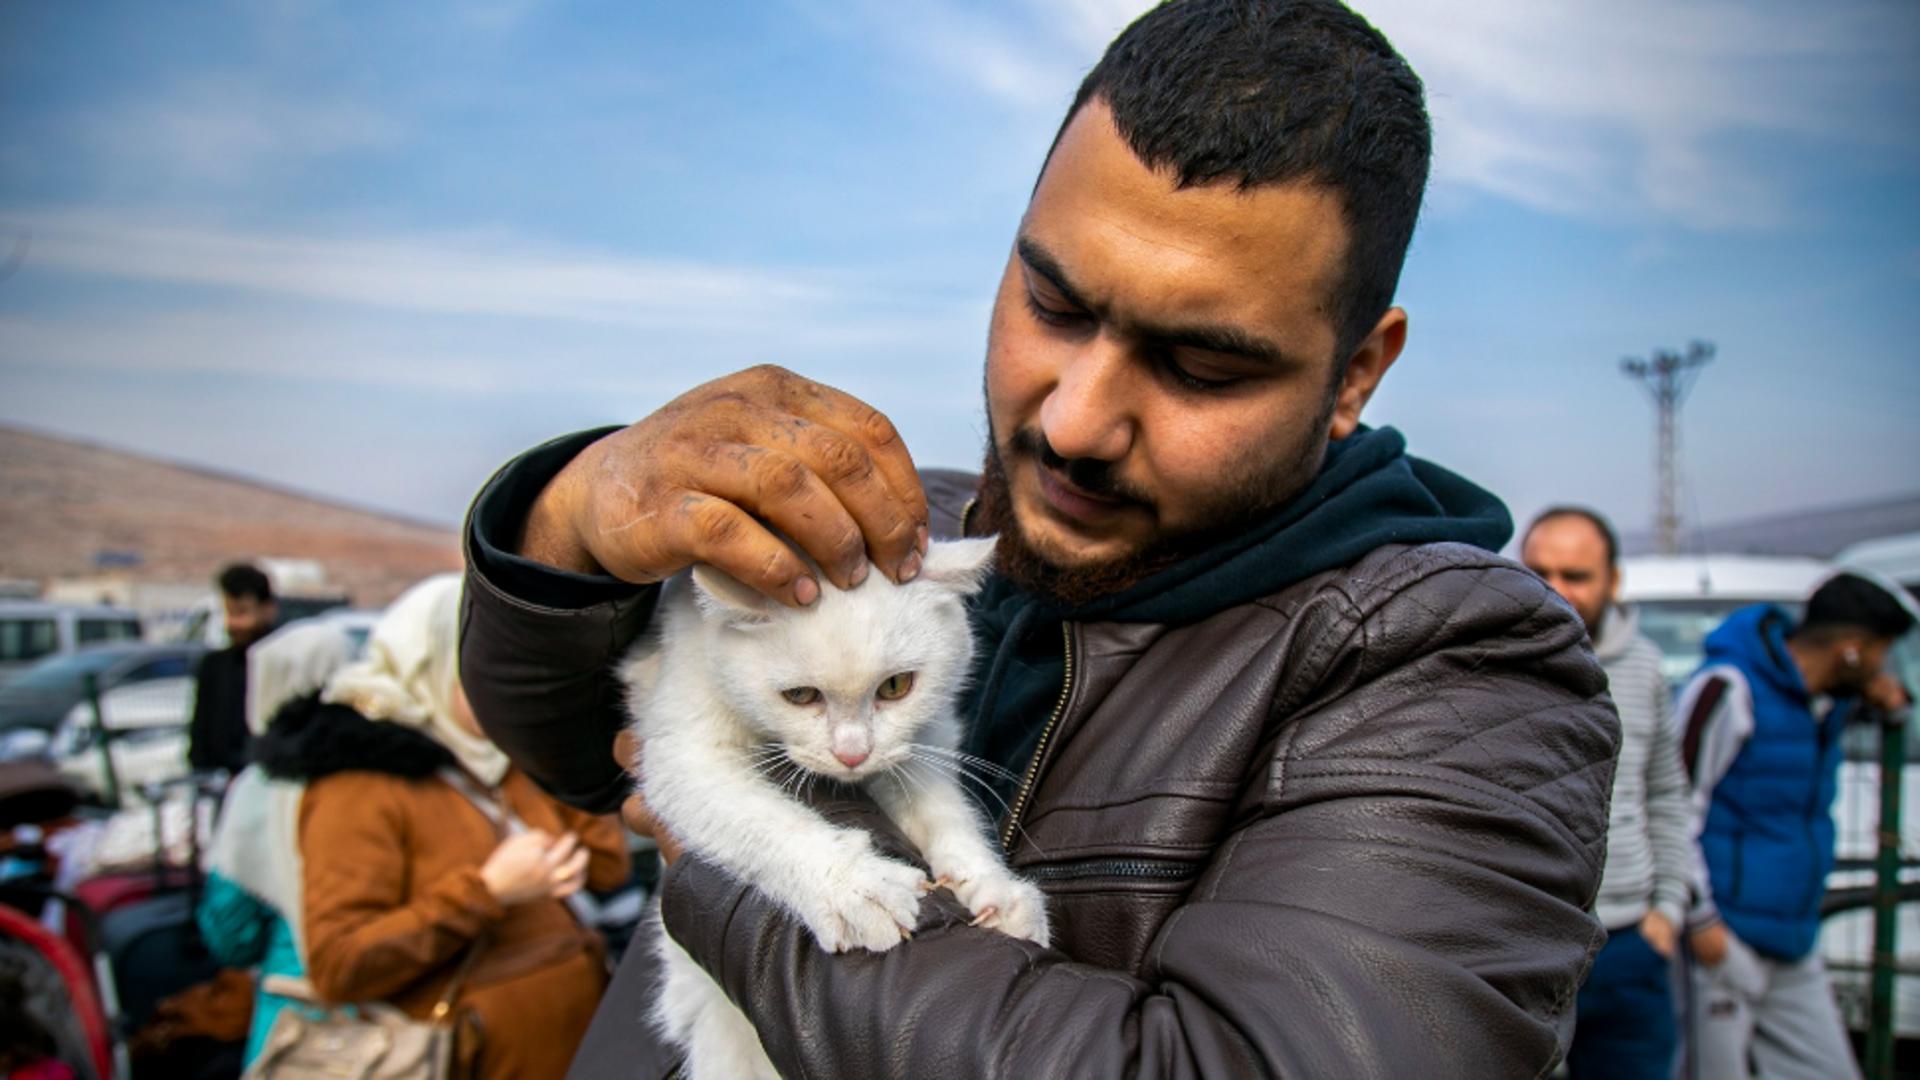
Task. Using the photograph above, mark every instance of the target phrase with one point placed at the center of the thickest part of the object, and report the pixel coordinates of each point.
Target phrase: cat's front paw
(864, 901)
(1004, 902)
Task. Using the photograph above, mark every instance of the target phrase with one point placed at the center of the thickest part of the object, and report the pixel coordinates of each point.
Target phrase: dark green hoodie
(1369, 493)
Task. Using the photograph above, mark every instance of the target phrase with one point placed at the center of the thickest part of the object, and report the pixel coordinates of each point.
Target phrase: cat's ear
(719, 596)
(960, 565)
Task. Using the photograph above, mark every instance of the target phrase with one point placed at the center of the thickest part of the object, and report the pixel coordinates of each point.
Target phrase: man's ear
(1365, 368)
(1615, 577)
(719, 596)
(959, 565)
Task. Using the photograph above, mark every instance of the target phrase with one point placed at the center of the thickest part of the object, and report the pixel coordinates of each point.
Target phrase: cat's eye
(801, 695)
(895, 687)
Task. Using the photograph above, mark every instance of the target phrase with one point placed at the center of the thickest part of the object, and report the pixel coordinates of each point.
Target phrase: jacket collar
(308, 740)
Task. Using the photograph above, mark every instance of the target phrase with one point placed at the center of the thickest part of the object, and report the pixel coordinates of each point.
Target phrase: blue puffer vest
(1769, 835)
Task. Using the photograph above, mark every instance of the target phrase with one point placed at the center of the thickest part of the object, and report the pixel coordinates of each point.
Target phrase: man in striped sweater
(1762, 745)
(1625, 1023)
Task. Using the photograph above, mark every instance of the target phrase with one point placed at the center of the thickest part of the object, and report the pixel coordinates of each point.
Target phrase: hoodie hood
(1754, 639)
(1369, 493)
(1618, 630)
(308, 740)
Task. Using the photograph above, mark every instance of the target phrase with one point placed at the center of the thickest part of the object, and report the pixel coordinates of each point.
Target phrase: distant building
(1818, 533)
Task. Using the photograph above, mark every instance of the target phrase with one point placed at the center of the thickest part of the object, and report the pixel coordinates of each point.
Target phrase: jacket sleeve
(201, 752)
(1407, 888)
(365, 938)
(1717, 713)
(1669, 813)
(538, 645)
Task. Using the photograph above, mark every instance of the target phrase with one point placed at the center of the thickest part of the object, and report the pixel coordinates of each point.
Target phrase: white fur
(725, 752)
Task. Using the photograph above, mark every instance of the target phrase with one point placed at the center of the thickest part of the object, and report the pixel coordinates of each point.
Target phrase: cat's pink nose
(850, 758)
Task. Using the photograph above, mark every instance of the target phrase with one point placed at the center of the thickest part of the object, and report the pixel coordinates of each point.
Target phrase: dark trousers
(1624, 1025)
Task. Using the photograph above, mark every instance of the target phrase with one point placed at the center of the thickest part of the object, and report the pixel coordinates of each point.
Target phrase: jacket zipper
(1152, 869)
(1040, 751)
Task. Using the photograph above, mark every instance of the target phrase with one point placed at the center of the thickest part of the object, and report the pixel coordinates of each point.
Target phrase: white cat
(740, 701)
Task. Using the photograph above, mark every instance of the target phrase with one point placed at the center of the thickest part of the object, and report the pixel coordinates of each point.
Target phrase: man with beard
(1315, 783)
(217, 734)
(1762, 745)
(1626, 1024)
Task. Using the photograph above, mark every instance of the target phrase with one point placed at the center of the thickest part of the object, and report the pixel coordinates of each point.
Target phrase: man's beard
(1071, 585)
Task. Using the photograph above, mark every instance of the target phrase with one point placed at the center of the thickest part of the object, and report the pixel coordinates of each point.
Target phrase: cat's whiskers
(964, 770)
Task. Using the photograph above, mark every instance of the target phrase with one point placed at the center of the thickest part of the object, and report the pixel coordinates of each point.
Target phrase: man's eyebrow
(1228, 340)
(1041, 261)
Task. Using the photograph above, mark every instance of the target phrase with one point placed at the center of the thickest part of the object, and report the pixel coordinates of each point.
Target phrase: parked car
(1680, 600)
(41, 696)
(31, 630)
(145, 724)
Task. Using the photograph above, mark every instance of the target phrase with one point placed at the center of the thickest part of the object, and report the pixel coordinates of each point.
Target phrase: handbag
(313, 1039)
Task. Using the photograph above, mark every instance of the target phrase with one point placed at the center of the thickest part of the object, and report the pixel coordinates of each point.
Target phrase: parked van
(31, 630)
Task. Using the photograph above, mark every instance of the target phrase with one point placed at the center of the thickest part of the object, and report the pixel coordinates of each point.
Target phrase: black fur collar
(308, 740)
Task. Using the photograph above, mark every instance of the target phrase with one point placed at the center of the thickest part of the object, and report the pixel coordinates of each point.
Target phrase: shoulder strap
(445, 1005)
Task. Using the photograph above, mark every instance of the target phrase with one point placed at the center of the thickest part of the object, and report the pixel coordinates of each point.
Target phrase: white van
(32, 629)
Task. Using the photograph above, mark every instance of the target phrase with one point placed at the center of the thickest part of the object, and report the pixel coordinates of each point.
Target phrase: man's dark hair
(1591, 517)
(245, 579)
(1256, 92)
(1849, 603)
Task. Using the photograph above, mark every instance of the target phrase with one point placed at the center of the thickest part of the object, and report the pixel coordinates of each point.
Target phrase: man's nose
(1089, 414)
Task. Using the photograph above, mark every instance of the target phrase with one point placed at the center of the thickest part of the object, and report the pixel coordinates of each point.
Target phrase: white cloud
(471, 314)
(1633, 109)
(229, 130)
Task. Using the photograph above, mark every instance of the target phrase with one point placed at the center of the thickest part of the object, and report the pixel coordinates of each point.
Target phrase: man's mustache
(1097, 478)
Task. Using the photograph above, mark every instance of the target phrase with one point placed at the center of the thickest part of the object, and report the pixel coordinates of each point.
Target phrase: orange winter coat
(393, 900)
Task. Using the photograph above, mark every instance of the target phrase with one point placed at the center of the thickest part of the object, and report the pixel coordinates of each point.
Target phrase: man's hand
(1709, 944)
(702, 479)
(1660, 934)
(1886, 694)
(634, 812)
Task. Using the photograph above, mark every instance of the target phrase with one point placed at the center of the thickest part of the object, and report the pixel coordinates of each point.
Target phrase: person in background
(1762, 746)
(420, 844)
(1625, 1023)
(217, 736)
(250, 914)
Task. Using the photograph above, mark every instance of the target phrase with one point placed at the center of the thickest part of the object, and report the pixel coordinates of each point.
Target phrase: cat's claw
(1005, 903)
(865, 901)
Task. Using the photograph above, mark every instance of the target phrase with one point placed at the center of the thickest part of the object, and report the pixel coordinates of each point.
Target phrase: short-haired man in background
(1762, 745)
(217, 736)
(1626, 1023)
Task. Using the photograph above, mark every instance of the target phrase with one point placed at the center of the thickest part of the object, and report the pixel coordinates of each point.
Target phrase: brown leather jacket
(1352, 829)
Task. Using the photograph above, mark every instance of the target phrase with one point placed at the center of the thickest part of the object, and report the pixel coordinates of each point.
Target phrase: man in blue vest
(1762, 745)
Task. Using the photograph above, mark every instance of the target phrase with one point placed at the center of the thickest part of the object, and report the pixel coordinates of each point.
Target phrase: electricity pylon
(1668, 376)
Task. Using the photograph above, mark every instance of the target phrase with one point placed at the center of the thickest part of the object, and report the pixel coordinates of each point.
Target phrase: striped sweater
(1650, 831)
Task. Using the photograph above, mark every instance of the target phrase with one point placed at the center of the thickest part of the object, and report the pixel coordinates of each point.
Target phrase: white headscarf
(411, 672)
(257, 845)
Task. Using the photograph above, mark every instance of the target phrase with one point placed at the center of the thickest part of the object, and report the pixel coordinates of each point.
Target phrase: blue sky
(372, 250)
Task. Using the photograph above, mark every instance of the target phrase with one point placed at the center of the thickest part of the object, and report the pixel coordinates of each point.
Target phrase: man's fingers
(855, 420)
(888, 523)
(722, 535)
(785, 487)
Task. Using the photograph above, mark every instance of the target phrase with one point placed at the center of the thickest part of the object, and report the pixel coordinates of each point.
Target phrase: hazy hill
(70, 509)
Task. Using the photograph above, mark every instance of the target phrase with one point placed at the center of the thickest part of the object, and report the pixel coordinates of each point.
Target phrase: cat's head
(847, 683)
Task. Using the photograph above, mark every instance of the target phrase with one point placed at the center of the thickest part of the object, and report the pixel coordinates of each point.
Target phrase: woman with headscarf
(250, 914)
(425, 849)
